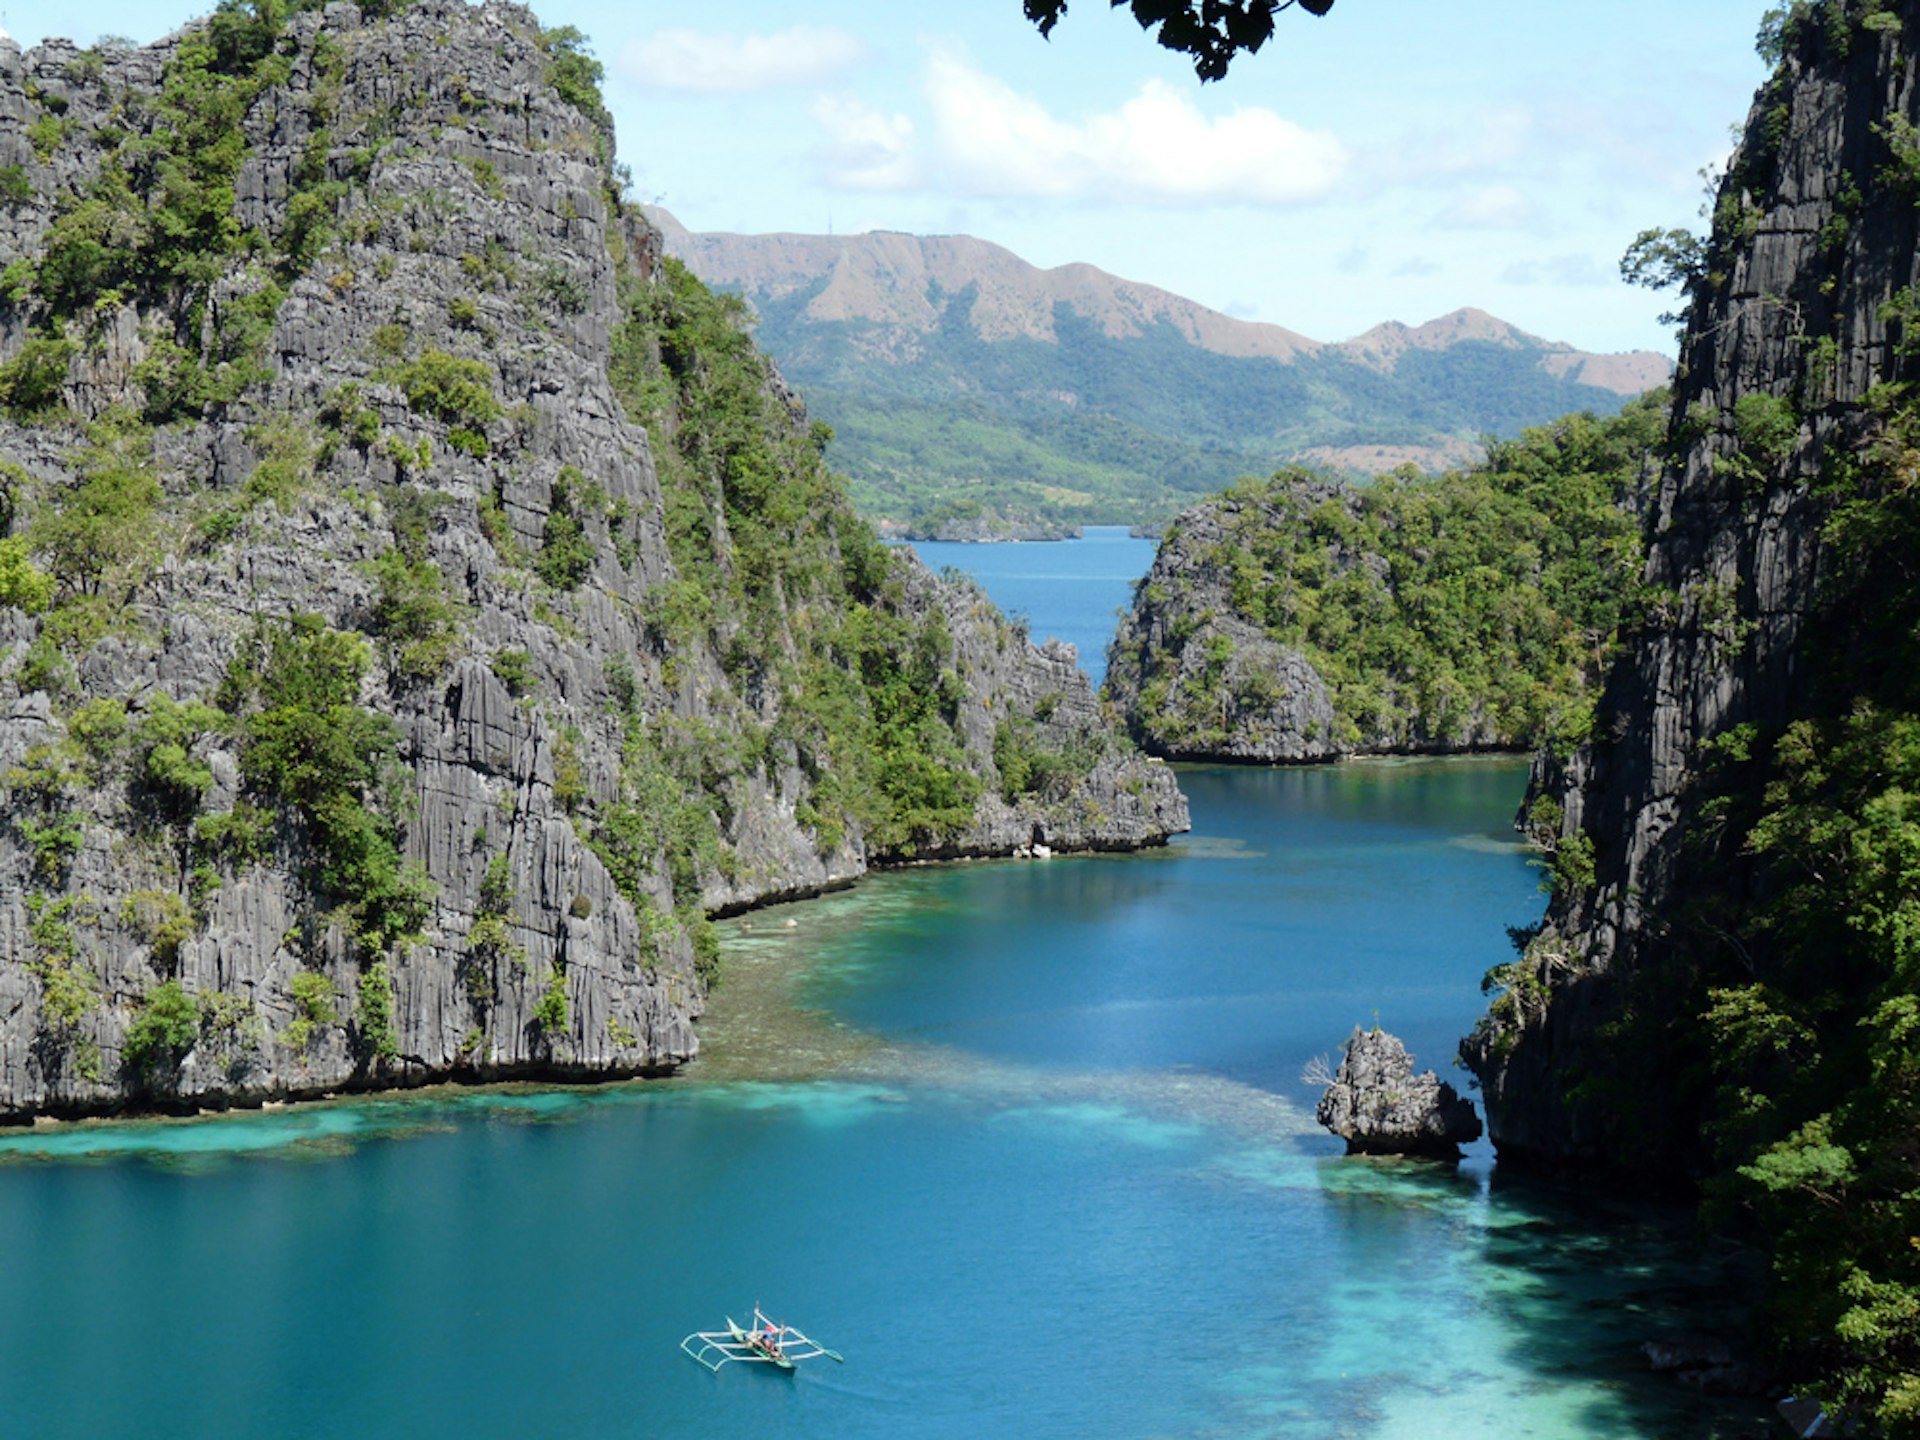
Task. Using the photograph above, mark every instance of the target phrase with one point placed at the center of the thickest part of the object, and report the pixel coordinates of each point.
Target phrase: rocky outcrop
(1380, 1107)
(453, 309)
(1196, 679)
(968, 522)
(1799, 305)
(1197, 672)
(990, 529)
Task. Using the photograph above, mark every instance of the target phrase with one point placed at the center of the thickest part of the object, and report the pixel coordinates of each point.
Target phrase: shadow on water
(1566, 1285)
(1403, 1298)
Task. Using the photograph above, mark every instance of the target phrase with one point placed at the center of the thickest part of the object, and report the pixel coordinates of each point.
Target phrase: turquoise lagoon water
(1026, 1141)
(1069, 589)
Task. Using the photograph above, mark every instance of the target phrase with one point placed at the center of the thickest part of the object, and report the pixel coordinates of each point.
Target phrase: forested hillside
(1298, 618)
(1727, 990)
(951, 371)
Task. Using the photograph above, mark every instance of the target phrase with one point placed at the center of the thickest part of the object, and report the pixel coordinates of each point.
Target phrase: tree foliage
(1782, 1020)
(1213, 32)
(163, 1031)
(757, 523)
(308, 744)
(1481, 602)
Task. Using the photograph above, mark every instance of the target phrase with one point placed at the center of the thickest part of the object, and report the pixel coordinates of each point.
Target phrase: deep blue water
(1069, 590)
(1025, 1140)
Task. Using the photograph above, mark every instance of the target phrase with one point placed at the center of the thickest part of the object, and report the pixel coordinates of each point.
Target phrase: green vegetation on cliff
(385, 527)
(1727, 985)
(1784, 1016)
(1471, 607)
(796, 593)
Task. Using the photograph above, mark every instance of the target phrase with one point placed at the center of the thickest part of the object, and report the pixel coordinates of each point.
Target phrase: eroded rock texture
(1380, 1107)
(1797, 317)
(416, 187)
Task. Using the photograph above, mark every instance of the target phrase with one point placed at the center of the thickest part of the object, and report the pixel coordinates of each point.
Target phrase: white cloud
(1416, 267)
(865, 149)
(1158, 146)
(1490, 207)
(714, 63)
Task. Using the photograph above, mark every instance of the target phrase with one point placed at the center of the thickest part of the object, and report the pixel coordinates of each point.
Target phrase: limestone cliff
(1596, 1048)
(1380, 1107)
(1200, 679)
(419, 606)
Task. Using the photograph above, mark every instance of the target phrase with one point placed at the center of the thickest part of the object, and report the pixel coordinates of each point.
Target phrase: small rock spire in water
(1379, 1107)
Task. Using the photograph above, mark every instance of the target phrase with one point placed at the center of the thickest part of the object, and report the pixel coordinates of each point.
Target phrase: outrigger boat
(767, 1343)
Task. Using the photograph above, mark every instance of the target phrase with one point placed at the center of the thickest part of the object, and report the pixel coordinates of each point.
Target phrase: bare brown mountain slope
(901, 281)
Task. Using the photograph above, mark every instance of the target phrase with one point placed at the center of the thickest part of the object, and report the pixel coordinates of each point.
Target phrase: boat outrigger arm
(767, 1343)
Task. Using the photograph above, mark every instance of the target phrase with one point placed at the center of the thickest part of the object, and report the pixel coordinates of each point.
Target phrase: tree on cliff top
(1213, 32)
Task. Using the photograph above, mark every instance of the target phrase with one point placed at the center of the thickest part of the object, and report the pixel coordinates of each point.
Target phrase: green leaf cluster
(375, 1012)
(163, 1031)
(416, 620)
(456, 391)
(1034, 762)
(314, 1003)
(567, 552)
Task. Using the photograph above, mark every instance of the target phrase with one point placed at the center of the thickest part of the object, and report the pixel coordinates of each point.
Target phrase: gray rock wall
(1380, 1107)
(1817, 236)
(1197, 679)
(478, 223)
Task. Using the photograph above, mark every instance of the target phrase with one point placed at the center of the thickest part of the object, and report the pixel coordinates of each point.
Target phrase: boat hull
(760, 1351)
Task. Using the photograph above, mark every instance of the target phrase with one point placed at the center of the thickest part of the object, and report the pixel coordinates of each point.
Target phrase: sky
(1395, 160)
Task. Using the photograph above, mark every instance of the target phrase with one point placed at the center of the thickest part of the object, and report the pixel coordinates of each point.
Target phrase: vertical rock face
(1796, 315)
(445, 284)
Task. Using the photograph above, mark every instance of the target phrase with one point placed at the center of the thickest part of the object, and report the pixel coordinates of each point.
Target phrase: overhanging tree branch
(1213, 32)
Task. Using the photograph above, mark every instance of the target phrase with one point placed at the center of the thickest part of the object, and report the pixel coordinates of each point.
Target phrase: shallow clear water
(1024, 1140)
(1070, 590)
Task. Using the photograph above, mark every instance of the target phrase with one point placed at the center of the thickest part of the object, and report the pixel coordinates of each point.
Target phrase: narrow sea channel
(1025, 1140)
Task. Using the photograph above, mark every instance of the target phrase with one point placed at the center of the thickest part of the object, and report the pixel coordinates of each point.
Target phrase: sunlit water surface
(1025, 1141)
(1069, 590)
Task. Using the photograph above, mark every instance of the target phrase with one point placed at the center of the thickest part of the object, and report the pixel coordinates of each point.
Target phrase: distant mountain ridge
(886, 277)
(953, 371)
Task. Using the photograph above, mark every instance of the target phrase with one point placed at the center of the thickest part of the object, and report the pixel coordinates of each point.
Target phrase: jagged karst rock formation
(1298, 619)
(419, 606)
(1724, 991)
(1380, 1107)
(967, 522)
(1197, 679)
(1775, 413)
